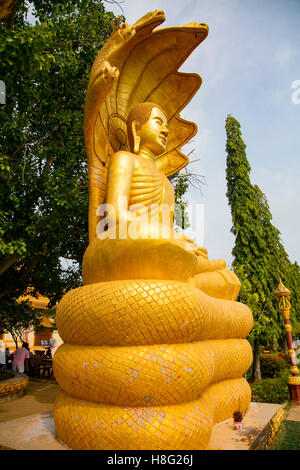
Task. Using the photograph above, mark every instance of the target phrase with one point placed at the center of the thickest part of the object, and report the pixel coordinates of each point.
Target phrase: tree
(181, 182)
(18, 317)
(259, 256)
(43, 169)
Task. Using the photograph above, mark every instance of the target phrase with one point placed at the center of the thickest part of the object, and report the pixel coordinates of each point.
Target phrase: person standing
(21, 358)
(7, 357)
(53, 350)
(2, 355)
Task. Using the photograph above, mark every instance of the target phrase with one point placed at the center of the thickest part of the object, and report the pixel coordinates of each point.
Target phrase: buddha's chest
(147, 184)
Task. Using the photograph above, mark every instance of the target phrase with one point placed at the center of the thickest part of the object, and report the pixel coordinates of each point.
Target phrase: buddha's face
(154, 133)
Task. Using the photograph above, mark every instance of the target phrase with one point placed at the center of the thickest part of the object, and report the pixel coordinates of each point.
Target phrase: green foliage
(271, 390)
(296, 328)
(259, 256)
(272, 365)
(43, 170)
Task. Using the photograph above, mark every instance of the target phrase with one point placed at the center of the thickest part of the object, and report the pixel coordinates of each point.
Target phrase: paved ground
(38, 398)
(294, 413)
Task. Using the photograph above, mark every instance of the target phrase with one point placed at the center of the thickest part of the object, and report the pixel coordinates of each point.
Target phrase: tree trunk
(8, 263)
(256, 372)
(15, 338)
(21, 336)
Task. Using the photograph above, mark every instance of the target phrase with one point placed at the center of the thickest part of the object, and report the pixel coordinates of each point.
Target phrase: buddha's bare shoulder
(123, 155)
(122, 160)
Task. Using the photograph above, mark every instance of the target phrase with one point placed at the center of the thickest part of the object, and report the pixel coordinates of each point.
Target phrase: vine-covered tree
(45, 64)
(259, 256)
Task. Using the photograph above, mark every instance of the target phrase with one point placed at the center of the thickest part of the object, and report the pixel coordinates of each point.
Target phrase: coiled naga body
(154, 342)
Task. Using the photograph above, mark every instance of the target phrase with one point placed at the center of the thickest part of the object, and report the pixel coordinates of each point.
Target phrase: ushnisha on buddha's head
(147, 129)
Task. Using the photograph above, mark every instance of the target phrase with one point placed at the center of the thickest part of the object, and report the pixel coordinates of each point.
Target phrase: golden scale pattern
(148, 365)
(13, 386)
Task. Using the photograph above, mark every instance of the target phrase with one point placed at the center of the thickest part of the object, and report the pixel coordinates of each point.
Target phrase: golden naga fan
(138, 64)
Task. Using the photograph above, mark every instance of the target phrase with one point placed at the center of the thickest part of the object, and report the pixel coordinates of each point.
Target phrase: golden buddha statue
(154, 349)
(140, 195)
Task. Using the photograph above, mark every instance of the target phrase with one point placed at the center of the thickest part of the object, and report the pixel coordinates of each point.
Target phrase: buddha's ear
(136, 137)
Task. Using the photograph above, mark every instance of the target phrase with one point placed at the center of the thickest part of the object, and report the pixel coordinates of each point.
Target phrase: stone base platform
(13, 388)
(260, 424)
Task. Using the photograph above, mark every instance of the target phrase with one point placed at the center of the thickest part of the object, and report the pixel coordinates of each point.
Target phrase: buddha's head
(147, 127)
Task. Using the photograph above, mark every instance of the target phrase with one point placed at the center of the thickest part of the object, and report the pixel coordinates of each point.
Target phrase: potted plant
(237, 420)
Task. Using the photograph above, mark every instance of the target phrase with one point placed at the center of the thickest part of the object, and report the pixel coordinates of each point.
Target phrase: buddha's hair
(141, 114)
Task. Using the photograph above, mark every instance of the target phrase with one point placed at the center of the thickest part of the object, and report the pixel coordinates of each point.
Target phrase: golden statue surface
(154, 342)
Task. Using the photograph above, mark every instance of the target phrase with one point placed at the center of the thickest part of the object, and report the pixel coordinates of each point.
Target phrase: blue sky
(248, 63)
